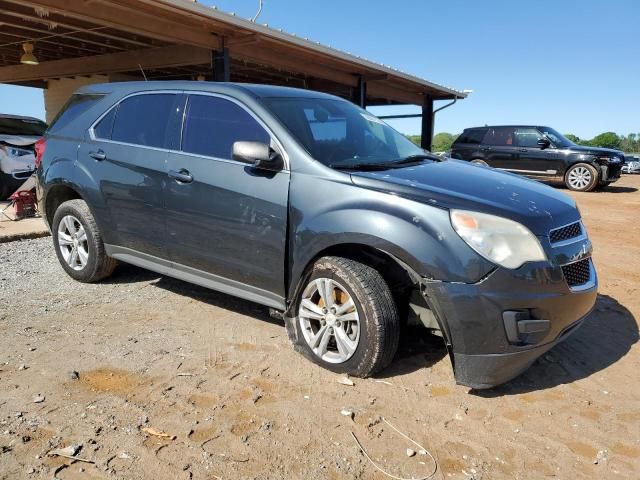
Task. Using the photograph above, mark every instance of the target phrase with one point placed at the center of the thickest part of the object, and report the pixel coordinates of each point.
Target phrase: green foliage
(442, 142)
(606, 140)
(415, 138)
(629, 143)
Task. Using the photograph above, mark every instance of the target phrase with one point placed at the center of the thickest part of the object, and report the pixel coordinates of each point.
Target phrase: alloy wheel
(329, 320)
(72, 240)
(580, 178)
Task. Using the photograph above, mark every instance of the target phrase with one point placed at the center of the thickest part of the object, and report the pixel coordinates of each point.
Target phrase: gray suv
(307, 204)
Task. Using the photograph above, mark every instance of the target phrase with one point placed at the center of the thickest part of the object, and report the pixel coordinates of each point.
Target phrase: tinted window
(500, 136)
(213, 124)
(105, 126)
(76, 105)
(143, 119)
(527, 137)
(474, 136)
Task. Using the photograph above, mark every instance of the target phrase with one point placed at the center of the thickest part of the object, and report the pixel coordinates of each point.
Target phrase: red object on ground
(24, 203)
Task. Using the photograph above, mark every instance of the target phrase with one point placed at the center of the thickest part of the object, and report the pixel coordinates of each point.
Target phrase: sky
(570, 64)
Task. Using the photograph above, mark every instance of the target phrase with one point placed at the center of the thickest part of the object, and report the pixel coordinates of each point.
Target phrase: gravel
(32, 282)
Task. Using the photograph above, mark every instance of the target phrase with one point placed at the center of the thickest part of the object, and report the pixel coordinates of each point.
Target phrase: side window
(76, 105)
(527, 137)
(143, 119)
(105, 125)
(500, 137)
(213, 125)
(474, 136)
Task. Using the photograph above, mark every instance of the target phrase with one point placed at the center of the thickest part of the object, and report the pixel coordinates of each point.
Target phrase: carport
(89, 41)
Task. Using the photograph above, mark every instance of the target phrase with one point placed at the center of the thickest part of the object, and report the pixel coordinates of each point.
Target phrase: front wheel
(581, 177)
(347, 320)
(78, 243)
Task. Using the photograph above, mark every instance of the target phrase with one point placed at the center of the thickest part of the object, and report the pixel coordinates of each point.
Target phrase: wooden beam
(129, 20)
(396, 94)
(172, 56)
(286, 61)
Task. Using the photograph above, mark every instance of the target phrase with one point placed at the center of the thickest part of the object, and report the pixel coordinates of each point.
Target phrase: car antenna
(143, 74)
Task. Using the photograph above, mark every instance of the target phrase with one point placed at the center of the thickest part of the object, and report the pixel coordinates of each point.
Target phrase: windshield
(21, 126)
(340, 134)
(558, 139)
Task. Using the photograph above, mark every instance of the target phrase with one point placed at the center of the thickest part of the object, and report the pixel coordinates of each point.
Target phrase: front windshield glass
(19, 126)
(558, 139)
(340, 134)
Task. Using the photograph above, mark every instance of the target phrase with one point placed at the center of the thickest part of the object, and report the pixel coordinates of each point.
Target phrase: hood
(596, 150)
(19, 141)
(458, 184)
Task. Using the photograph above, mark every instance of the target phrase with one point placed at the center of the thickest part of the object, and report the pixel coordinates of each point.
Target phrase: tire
(478, 161)
(91, 263)
(581, 177)
(373, 344)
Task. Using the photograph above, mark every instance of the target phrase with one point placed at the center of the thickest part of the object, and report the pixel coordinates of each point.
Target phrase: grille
(565, 233)
(577, 273)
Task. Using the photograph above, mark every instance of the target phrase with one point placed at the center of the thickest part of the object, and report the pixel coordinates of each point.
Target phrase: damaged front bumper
(496, 328)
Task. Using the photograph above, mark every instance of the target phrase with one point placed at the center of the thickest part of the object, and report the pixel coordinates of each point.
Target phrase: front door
(224, 217)
(127, 151)
(534, 160)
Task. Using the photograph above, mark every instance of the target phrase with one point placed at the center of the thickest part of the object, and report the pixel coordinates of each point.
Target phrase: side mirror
(255, 153)
(543, 143)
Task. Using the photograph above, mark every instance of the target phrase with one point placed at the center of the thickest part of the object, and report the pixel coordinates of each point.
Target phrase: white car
(631, 164)
(17, 160)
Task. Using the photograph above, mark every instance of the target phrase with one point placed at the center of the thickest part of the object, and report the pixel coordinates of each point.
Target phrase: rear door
(226, 218)
(533, 160)
(499, 148)
(127, 152)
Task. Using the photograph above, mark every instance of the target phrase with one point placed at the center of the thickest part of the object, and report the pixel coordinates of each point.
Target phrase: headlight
(497, 239)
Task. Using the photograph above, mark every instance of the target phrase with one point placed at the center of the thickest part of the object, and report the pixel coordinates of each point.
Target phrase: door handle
(181, 176)
(98, 155)
(523, 149)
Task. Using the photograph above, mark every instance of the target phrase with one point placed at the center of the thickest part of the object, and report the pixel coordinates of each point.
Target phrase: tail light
(39, 148)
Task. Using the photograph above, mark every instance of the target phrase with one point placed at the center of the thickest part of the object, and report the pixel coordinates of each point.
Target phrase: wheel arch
(398, 274)
(56, 195)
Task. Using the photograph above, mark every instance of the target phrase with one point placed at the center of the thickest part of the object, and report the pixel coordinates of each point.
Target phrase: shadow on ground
(606, 336)
(618, 189)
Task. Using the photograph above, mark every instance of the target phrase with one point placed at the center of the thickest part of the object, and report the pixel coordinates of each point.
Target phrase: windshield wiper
(362, 166)
(414, 158)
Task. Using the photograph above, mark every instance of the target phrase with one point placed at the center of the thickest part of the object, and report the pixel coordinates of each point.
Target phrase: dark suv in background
(310, 205)
(540, 153)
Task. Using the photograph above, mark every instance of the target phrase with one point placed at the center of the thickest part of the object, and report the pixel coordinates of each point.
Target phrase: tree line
(627, 143)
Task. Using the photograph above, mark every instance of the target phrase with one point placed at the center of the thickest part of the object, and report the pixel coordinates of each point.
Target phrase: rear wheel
(347, 320)
(78, 243)
(581, 177)
(478, 161)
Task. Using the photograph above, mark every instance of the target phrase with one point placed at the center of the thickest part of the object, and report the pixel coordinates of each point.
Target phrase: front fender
(419, 235)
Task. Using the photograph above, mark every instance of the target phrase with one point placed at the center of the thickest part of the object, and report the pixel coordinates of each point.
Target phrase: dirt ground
(219, 374)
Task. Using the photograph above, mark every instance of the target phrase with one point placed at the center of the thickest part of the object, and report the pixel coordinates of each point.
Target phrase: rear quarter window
(474, 136)
(75, 106)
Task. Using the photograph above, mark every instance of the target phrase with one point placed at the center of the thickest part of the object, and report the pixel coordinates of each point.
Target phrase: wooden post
(221, 64)
(359, 92)
(427, 123)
